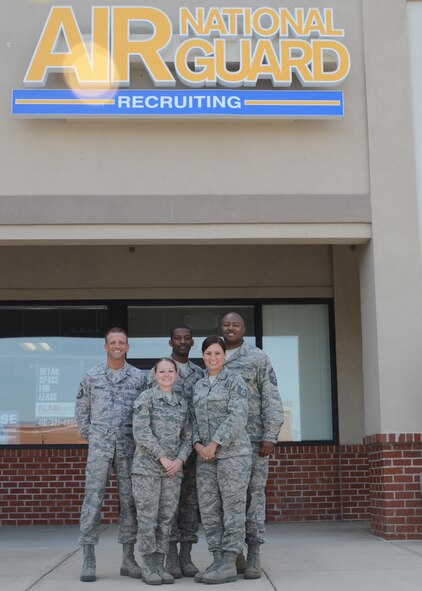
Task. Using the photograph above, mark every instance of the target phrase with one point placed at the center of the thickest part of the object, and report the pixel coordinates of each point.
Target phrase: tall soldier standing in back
(104, 411)
(185, 525)
(265, 418)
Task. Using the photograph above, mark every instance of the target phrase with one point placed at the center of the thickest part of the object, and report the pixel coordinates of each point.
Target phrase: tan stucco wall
(165, 272)
(391, 286)
(277, 161)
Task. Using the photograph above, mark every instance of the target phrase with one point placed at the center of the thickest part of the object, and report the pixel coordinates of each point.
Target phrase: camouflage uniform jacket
(185, 382)
(104, 409)
(161, 427)
(265, 416)
(220, 412)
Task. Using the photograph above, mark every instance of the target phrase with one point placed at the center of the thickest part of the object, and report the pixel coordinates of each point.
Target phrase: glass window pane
(296, 338)
(149, 327)
(44, 352)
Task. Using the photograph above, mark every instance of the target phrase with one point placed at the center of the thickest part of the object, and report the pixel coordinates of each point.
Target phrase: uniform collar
(242, 350)
(221, 375)
(188, 369)
(173, 399)
(111, 375)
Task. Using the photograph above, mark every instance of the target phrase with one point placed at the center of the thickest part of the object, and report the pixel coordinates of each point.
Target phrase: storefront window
(44, 352)
(150, 327)
(296, 338)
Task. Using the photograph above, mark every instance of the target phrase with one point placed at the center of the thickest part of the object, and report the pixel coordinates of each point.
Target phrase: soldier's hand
(210, 450)
(266, 449)
(171, 466)
(199, 448)
(174, 467)
(166, 463)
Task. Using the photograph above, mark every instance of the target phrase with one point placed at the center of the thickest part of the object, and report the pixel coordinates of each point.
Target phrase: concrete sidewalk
(332, 556)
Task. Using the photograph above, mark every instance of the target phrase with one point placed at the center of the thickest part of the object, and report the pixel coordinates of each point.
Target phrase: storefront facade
(307, 225)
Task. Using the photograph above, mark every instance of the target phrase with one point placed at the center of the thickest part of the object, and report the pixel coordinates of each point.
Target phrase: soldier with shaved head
(265, 417)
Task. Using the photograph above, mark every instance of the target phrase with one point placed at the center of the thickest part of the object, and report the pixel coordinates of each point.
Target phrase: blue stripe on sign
(176, 103)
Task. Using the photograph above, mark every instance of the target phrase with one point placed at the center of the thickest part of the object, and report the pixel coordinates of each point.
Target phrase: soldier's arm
(185, 439)
(237, 415)
(271, 405)
(194, 425)
(83, 408)
(196, 439)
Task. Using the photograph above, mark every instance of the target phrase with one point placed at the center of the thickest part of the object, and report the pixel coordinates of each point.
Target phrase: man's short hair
(116, 329)
(179, 327)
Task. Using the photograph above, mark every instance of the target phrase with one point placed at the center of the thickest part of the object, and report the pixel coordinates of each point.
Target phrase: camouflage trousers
(255, 505)
(222, 487)
(185, 523)
(156, 499)
(98, 470)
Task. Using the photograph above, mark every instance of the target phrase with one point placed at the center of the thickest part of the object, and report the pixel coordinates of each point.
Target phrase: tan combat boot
(88, 568)
(253, 566)
(149, 571)
(185, 560)
(166, 577)
(225, 571)
(218, 555)
(172, 561)
(130, 568)
(240, 563)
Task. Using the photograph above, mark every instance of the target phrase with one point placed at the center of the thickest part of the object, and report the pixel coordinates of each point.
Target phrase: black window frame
(118, 316)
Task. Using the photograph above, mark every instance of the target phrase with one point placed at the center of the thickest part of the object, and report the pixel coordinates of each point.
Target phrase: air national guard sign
(226, 62)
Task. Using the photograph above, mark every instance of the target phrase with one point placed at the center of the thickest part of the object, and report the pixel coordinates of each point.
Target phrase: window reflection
(296, 338)
(150, 326)
(46, 352)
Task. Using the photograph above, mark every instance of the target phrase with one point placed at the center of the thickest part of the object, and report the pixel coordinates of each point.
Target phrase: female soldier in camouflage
(220, 411)
(163, 437)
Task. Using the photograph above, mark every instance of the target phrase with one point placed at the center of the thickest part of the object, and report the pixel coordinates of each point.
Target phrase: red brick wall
(395, 462)
(45, 486)
(318, 483)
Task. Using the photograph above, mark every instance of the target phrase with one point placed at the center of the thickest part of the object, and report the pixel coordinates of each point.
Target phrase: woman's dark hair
(169, 359)
(213, 340)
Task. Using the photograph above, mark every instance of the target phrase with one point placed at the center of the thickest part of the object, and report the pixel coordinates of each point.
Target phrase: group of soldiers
(104, 415)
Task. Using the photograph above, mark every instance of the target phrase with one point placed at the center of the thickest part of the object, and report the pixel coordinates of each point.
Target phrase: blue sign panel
(178, 103)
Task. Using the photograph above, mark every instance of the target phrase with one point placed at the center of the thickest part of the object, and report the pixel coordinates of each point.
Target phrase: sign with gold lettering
(214, 62)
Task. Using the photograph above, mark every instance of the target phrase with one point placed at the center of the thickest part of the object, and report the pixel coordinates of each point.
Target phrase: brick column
(395, 466)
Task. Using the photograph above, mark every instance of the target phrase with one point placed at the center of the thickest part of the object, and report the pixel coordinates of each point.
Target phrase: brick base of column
(395, 468)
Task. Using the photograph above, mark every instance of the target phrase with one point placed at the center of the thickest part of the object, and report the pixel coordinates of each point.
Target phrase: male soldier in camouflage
(104, 410)
(163, 435)
(265, 418)
(220, 411)
(185, 523)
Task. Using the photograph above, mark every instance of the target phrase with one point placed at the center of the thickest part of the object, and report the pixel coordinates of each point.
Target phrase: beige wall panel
(58, 158)
(391, 286)
(172, 271)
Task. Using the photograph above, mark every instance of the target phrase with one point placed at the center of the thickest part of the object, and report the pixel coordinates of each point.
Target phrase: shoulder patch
(272, 377)
(241, 391)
